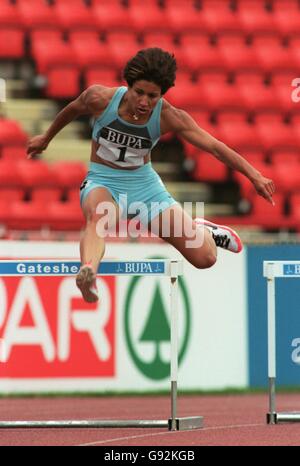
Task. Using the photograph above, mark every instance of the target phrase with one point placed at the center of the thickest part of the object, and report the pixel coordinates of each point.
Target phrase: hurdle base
(277, 418)
(186, 423)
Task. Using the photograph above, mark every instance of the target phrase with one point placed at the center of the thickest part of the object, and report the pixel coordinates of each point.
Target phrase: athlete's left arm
(184, 125)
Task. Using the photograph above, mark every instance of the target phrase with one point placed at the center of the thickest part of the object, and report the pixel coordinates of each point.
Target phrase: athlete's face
(143, 96)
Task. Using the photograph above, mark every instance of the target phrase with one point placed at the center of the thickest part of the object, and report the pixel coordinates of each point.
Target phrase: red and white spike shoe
(224, 236)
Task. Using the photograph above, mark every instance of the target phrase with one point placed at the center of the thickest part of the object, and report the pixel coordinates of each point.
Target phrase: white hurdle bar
(273, 270)
(152, 267)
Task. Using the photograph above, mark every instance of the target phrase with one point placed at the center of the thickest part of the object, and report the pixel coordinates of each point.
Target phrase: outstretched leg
(99, 209)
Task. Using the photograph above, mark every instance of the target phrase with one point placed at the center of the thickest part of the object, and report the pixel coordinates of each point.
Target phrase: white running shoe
(224, 236)
(86, 282)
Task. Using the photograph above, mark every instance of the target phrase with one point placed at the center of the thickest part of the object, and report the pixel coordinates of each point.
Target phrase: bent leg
(194, 242)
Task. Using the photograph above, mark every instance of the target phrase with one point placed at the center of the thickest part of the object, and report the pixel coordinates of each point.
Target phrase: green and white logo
(147, 324)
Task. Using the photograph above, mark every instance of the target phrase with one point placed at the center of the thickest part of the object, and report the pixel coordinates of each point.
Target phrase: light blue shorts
(139, 193)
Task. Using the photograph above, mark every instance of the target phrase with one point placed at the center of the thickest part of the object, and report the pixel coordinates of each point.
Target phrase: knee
(206, 261)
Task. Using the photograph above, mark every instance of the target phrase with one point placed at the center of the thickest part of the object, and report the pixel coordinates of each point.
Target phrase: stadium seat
(208, 168)
(254, 17)
(236, 132)
(88, 50)
(65, 216)
(185, 95)
(289, 157)
(11, 133)
(46, 194)
(257, 97)
(271, 53)
(219, 17)
(45, 57)
(121, 46)
(12, 152)
(11, 194)
(34, 173)
(69, 174)
(236, 55)
(28, 215)
(74, 15)
(9, 15)
(286, 17)
(164, 40)
(36, 14)
(104, 76)
(11, 42)
(268, 216)
(9, 175)
(287, 176)
(152, 18)
(111, 17)
(183, 17)
(191, 59)
(63, 82)
(273, 132)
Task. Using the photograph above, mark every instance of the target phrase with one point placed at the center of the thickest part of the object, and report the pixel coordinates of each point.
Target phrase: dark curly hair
(152, 64)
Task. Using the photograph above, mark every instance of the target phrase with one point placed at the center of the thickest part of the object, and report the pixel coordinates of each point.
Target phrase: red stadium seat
(121, 46)
(192, 59)
(219, 17)
(46, 194)
(9, 175)
(9, 15)
(235, 53)
(34, 173)
(34, 13)
(271, 53)
(208, 168)
(111, 16)
(153, 18)
(11, 194)
(253, 17)
(63, 82)
(88, 50)
(164, 40)
(104, 76)
(60, 53)
(74, 15)
(11, 133)
(73, 195)
(69, 174)
(273, 132)
(235, 131)
(257, 97)
(65, 216)
(266, 215)
(28, 215)
(184, 17)
(11, 42)
(13, 153)
(286, 17)
(185, 95)
(290, 157)
(287, 177)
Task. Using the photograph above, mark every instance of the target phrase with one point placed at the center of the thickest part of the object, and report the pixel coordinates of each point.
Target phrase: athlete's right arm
(91, 102)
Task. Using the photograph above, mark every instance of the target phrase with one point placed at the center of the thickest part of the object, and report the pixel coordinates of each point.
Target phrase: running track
(228, 420)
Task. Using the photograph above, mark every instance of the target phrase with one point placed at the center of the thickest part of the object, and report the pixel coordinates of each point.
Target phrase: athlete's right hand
(36, 146)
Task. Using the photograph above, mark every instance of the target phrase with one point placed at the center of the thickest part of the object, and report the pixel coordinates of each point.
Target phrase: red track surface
(228, 420)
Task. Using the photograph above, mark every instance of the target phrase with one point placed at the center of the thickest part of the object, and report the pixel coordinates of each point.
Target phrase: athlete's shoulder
(172, 118)
(98, 97)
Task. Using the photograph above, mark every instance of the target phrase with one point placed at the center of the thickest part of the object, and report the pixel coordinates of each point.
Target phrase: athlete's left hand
(265, 188)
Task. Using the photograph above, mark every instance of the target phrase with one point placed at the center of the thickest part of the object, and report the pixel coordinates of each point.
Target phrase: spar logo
(48, 330)
(147, 324)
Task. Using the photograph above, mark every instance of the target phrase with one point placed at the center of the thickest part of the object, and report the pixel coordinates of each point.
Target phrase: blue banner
(287, 317)
(16, 268)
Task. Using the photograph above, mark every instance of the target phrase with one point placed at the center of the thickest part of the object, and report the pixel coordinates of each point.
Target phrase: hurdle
(273, 270)
(152, 267)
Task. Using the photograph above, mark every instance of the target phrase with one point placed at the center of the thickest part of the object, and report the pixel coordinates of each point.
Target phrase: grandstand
(237, 60)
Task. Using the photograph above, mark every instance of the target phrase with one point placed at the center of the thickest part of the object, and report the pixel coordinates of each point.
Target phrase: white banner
(52, 341)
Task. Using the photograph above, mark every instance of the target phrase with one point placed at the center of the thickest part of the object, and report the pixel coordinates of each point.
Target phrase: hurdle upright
(149, 267)
(273, 270)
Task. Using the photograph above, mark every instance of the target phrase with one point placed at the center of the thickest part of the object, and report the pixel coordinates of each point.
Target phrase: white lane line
(156, 434)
